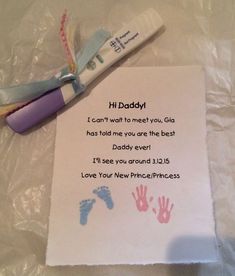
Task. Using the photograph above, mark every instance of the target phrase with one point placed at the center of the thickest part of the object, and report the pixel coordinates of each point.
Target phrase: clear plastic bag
(197, 32)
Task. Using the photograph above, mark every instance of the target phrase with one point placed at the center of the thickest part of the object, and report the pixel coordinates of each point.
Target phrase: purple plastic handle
(36, 111)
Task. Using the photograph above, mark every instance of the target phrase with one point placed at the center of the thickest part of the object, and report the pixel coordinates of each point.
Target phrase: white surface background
(198, 32)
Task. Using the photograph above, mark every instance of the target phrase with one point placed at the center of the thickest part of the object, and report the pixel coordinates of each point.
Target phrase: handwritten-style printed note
(131, 182)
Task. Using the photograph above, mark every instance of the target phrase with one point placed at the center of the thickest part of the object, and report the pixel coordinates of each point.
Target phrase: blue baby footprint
(103, 193)
(85, 208)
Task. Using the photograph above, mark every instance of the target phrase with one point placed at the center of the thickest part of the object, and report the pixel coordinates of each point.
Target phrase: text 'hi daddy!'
(121, 105)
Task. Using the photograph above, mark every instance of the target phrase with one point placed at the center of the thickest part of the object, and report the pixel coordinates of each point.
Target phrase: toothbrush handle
(36, 111)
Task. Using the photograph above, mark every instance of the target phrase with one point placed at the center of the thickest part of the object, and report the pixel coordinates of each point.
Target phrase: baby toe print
(104, 193)
(85, 208)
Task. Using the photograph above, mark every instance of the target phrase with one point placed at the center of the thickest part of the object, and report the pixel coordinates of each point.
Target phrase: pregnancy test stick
(124, 41)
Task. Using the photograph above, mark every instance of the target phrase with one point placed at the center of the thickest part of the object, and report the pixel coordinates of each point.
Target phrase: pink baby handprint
(164, 214)
(141, 199)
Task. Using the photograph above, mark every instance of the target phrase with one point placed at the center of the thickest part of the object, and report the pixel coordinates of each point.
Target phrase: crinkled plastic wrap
(197, 32)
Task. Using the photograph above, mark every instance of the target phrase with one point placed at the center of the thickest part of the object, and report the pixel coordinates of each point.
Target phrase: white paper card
(131, 182)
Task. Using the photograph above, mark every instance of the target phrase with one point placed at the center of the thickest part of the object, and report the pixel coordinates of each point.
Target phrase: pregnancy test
(140, 29)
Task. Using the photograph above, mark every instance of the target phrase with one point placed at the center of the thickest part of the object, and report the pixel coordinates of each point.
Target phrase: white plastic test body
(132, 35)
